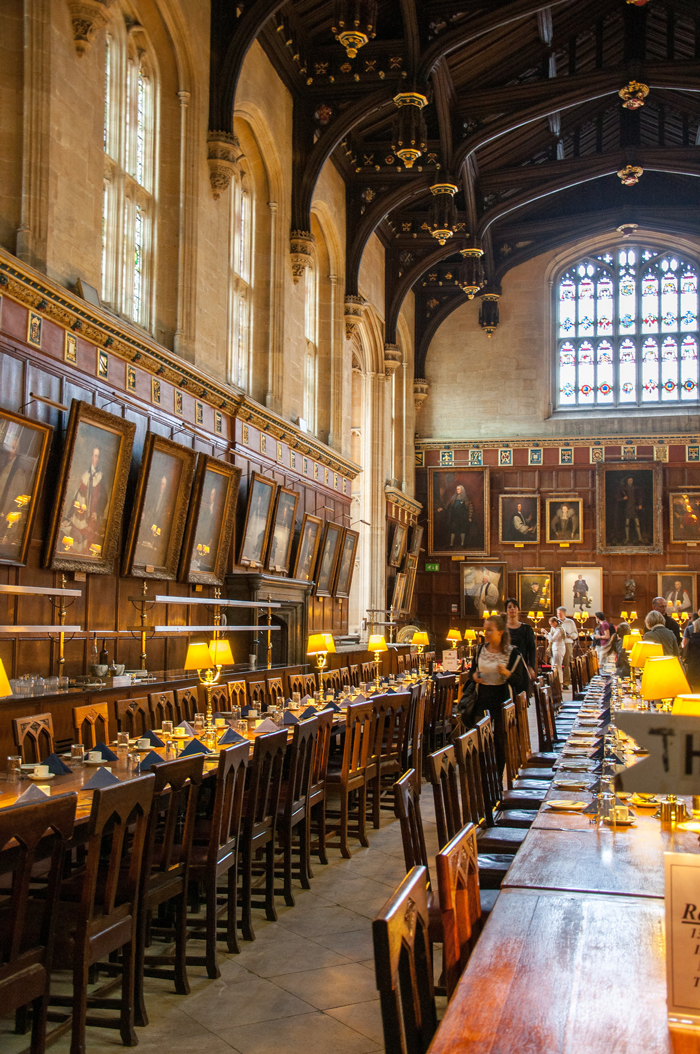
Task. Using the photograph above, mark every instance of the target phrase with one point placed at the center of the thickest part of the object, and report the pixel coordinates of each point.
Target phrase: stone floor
(306, 984)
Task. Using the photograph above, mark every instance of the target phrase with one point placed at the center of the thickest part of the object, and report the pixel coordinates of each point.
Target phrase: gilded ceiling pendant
(443, 214)
(355, 24)
(410, 134)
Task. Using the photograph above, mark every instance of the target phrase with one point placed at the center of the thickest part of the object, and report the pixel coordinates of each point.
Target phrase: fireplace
(289, 642)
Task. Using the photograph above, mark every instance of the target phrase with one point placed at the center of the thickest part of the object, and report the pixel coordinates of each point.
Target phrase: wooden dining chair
(492, 838)
(275, 691)
(41, 832)
(220, 699)
(354, 670)
(293, 811)
(441, 721)
(386, 755)
(441, 770)
(525, 745)
(507, 807)
(459, 896)
(404, 968)
(400, 664)
(162, 707)
(326, 681)
(236, 694)
(33, 737)
(309, 684)
(133, 716)
(368, 672)
(165, 871)
(98, 909)
(259, 827)
(91, 724)
(295, 683)
(256, 693)
(316, 811)
(349, 777)
(344, 672)
(215, 856)
(186, 703)
(526, 792)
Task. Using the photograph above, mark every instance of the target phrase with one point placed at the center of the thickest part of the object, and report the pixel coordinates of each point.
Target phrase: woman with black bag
(496, 667)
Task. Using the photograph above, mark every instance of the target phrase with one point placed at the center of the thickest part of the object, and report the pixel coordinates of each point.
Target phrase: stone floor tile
(309, 1034)
(365, 1018)
(334, 986)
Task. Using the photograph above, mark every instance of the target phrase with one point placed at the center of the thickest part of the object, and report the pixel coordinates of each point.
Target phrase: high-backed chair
(507, 807)
(257, 695)
(309, 684)
(385, 763)
(33, 736)
(134, 716)
(186, 703)
(316, 812)
(275, 691)
(293, 809)
(492, 839)
(351, 774)
(344, 672)
(441, 720)
(368, 672)
(162, 707)
(354, 675)
(237, 693)
(460, 905)
(220, 698)
(295, 683)
(91, 724)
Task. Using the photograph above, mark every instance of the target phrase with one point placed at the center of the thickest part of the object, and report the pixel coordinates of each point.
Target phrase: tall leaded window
(311, 359)
(241, 293)
(627, 330)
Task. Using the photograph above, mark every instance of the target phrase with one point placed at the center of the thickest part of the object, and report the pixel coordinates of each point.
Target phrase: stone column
(32, 236)
(335, 435)
(275, 368)
(184, 341)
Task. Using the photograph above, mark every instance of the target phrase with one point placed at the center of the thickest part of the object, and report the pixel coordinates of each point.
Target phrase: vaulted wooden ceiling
(523, 114)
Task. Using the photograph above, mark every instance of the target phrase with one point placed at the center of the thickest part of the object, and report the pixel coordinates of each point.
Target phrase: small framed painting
(24, 448)
(282, 530)
(210, 522)
(416, 540)
(307, 547)
(684, 509)
(678, 590)
(159, 513)
(328, 558)
(519, 519)
(411, 569)
(536, 592)
(582, 590)
(398, 593)
(628, 507)
(87, 513)
(346, 564)
(258, 520)
(482, 588)
(564, 520)
(398, 545)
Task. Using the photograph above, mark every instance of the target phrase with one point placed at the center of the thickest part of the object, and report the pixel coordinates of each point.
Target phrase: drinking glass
(199, 722)
(296, 700)
(242, 726)
(167, 728)
(77, 751)
(122, 739)
(14, 767)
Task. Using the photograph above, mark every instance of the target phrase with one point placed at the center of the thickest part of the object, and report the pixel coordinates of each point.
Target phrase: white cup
(41, 770)
(143, 744)
(622, 812)
(252, 714)
(95, 755)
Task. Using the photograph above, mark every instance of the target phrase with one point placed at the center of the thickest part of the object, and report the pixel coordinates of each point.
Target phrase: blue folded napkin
(332, 706)
(107, 754)
(32, 795)
(102, 778)
(152, 738)
(195, 747)
(310, 711)
(231, 736)
(151, 759)
(290, 718)
(56, 765)
(304, 700)
(187, 727)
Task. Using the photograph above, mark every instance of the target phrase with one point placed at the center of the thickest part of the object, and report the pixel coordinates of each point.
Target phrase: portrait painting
(92, 479)
(346, 563)
(282, 530)
(398, 545)
(307, 547)
(411, 568)
(564, 520)
(628, 508)
(685, 517)
(258, 519)
(535, 592)
(329, 555)
(519, 519)
(679, 592)
(458, 511)
(416, 540)
(159, 512)
(582, 590)
(24, 447)
(482, 588)
(210, 522)
(397, 594)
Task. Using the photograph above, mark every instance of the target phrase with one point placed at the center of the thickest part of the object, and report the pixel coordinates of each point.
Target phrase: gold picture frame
(410, 570)
(679, 601)
(452, 528)
(307, 548)
(87, 513)
(282, 530)
(397, 593)
(258, 520)
(638, 529)
(24, 450)
(328, 557)
(564, 527)
(210, 522)
(535, 592)
(684, 517)
(519, 519)
(346, 564)
(159, 514)
(398, 545)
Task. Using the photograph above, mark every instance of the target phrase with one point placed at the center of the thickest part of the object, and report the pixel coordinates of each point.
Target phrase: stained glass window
(627, 330)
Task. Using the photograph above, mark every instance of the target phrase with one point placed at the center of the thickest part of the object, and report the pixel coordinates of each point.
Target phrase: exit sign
(432, 567)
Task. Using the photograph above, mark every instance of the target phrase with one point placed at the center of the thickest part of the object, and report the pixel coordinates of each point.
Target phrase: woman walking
(522, 637)
(601, 636)
(557, 645)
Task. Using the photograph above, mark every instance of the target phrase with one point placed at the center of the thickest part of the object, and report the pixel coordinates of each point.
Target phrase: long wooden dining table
(572, 957)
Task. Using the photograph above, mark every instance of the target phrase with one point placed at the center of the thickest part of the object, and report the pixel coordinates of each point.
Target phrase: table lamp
(377, 644)
(199, 658)
(420, 639)
(641, 651)
(624, 615)
(319, 645)
(5, 686)
(664, 679)
(630, 639)
(687, 704)
(454, 636)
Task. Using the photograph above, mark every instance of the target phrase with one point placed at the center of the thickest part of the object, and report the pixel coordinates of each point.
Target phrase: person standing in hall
(601, 636)
(571, 632)
(522, 636)
(659, 604)
(657, 631)
(557, 645)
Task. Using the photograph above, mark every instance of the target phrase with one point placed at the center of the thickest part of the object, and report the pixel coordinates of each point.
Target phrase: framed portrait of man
(582, 590)
(519, 519)
(535, 592)
(458, 511)
(410, 569)
(398, 592)
(628, 508)
(159, 512)
(346, 564)
(307, 547)
(416, 540)
(329, 555)
(564, 520)
(282, 532)
(398, 545)
(258, 520)
(92, 478)
(482, 588)
(24, 448)
(210, 522)
(679, 591)
(684, 515)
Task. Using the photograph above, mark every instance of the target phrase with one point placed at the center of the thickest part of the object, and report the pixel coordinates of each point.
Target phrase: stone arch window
(130, 172)
(627, 330)
(241, 299)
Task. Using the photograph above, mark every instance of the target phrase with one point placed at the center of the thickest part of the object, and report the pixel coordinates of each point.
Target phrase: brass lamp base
(377, 663)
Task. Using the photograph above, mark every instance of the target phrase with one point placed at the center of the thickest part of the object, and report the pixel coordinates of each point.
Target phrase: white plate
(105, 761)
(40, 779)
(575, 766)
(570, 785)
(620, 823)
(566, 806)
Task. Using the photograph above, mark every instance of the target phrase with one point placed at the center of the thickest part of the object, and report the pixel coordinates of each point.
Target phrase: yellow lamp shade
(663, 678)
(220, 651)
(687, 704)
(377, 643)
(633, 616)
(198, 656)
(419, 637)
(453, 634)
(531, 614)
(630, 639)
(5, 688)
(623, 615)
(643, 650)
(470, 634)
(320, 643)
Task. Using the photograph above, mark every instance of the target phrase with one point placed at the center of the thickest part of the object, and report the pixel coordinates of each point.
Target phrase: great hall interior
(349, 526)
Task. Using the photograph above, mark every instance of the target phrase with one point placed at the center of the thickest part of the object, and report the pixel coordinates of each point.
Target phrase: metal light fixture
(488, 313)
(470, 275)
(355, 24)
(199, 658)
(633, 95)
(421, 640)
(377, 645)
(320, 644)
(630, 175)
(443, 213)
(410, 133)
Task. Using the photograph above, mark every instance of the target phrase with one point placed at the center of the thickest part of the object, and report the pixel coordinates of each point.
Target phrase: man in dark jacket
(659, 604)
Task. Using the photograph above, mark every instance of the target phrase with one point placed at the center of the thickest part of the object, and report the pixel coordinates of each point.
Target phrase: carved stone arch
(254, 117)
(372, 336)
